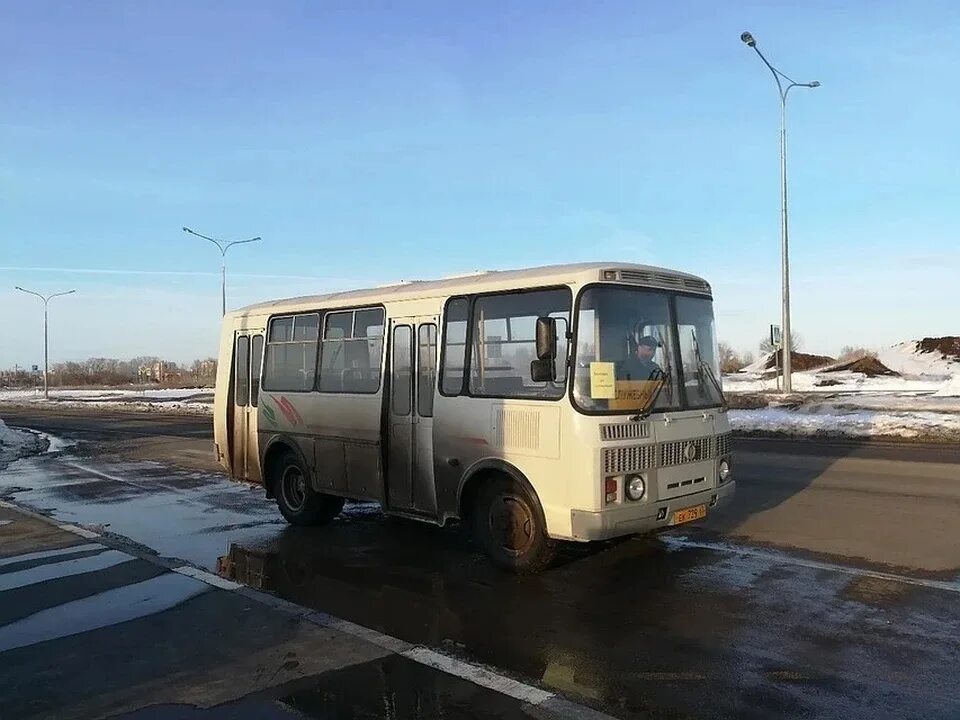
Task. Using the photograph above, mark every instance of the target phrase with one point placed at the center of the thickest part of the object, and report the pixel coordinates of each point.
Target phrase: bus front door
(413, 380)
(247, 356)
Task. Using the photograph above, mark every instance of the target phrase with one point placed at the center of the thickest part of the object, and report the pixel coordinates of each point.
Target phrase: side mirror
(546, 338)
(543, 370)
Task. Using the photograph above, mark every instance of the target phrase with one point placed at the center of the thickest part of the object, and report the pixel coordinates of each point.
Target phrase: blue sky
(369, 142)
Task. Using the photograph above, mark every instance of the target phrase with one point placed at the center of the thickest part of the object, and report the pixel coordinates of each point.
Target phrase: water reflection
(393, 688)
(575, 629)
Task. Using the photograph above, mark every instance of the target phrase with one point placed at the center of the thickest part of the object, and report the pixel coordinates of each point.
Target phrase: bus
(575, 402)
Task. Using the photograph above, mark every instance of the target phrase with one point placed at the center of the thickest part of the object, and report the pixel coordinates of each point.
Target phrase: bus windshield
(626, 359)
(698, 352)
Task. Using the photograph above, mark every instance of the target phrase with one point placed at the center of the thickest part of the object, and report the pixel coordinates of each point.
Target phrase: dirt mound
(799, 361)
(948, 347)
(869, 366)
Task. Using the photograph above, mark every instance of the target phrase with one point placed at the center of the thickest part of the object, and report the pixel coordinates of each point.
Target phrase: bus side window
(454, 346)
(426, 369)
(402, 371)
(241, 358)
(255, 356)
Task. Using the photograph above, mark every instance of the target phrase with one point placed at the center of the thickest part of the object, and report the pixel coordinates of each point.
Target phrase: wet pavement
(638, 628)
(388, 688)
(697, 623)
(89, 631)
(191, 515)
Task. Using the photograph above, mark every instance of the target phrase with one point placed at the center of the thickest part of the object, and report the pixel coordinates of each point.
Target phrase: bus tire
(508, 524)
(299, 503)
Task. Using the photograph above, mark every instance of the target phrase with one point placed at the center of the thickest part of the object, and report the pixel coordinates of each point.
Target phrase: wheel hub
(511, 523)
(294, 488)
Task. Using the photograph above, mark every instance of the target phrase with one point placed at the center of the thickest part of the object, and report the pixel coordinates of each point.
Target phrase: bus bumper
(631, 518)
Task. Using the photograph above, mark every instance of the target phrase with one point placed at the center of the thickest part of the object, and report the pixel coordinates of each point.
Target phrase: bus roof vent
(695, 284)
(652, 277)
(661, 279)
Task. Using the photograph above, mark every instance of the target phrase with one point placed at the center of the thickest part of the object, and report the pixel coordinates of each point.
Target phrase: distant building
(205, 368)
(158, 372)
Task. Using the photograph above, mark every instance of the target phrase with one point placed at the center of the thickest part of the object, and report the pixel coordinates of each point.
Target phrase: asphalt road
(889, 504)
(829, 588)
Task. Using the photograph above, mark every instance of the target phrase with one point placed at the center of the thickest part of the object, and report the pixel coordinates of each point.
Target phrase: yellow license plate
(697, 512)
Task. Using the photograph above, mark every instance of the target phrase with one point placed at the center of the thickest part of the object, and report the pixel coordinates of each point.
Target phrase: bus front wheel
(299, 503)
(508, 523)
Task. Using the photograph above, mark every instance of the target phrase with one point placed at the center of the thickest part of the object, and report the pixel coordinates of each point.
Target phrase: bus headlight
(635, 487)
(724, 471)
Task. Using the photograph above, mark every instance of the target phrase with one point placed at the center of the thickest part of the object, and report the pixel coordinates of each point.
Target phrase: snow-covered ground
(845, 382)
(924, 401)
(852, 423)
(906, 359)
(186, 400)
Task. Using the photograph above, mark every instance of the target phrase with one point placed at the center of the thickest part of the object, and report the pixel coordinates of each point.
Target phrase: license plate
(697, 512)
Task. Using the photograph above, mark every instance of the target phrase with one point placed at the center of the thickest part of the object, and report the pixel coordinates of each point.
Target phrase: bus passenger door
(413, 374)
(247, 356)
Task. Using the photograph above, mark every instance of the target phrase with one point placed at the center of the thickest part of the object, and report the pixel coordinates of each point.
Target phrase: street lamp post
(787, 341)
(223, 247)
(46, 356)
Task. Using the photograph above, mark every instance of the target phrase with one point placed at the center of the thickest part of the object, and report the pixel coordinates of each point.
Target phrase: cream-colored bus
(573, 402)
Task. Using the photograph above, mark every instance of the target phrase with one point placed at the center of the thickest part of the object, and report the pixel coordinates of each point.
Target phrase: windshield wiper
(705, 370)
(648, 407)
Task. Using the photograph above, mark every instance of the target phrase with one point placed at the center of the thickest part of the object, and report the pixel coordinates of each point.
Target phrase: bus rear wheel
(299, 503)
(508, 524)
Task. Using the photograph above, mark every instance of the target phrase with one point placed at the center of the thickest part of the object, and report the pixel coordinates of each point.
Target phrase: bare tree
(796, 343)
(849, 352)
(730, 362)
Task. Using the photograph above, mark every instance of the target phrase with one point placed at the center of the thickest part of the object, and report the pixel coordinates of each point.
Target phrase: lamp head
(748, 39)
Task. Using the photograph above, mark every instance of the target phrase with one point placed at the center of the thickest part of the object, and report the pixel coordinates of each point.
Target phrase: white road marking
(51, 553)
(66, 568)
(101, 610)
(6, 522)
(208, 578)
(82, 532)
(784, 559)
(106, 476)
(479, 676)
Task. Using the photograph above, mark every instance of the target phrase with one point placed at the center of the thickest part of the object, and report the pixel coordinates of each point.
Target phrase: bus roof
(492, 281)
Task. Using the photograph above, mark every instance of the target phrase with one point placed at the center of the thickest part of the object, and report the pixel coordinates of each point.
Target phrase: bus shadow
(773, 476)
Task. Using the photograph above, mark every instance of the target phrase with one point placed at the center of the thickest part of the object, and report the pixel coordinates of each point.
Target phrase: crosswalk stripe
(101, 610)
(42, 554)
(52, 571)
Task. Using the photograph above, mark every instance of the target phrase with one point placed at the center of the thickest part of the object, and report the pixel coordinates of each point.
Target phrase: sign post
(776, 340)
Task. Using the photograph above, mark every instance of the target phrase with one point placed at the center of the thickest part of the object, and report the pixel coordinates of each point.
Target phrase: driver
(640, 364)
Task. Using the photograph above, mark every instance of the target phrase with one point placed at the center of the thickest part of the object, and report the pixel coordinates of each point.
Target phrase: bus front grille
(621, 460)
(617, 461)
(723, 444)
(678, 452)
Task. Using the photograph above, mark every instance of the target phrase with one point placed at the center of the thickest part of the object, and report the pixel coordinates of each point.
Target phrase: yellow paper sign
(603, 381)
(633, 394)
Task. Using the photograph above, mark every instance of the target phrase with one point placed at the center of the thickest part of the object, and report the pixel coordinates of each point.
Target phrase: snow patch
(906, 359)
(182, 400)
(854, 423)
(951, 389)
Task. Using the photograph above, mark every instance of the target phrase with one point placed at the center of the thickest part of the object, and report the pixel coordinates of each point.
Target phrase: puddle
(391, 688)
